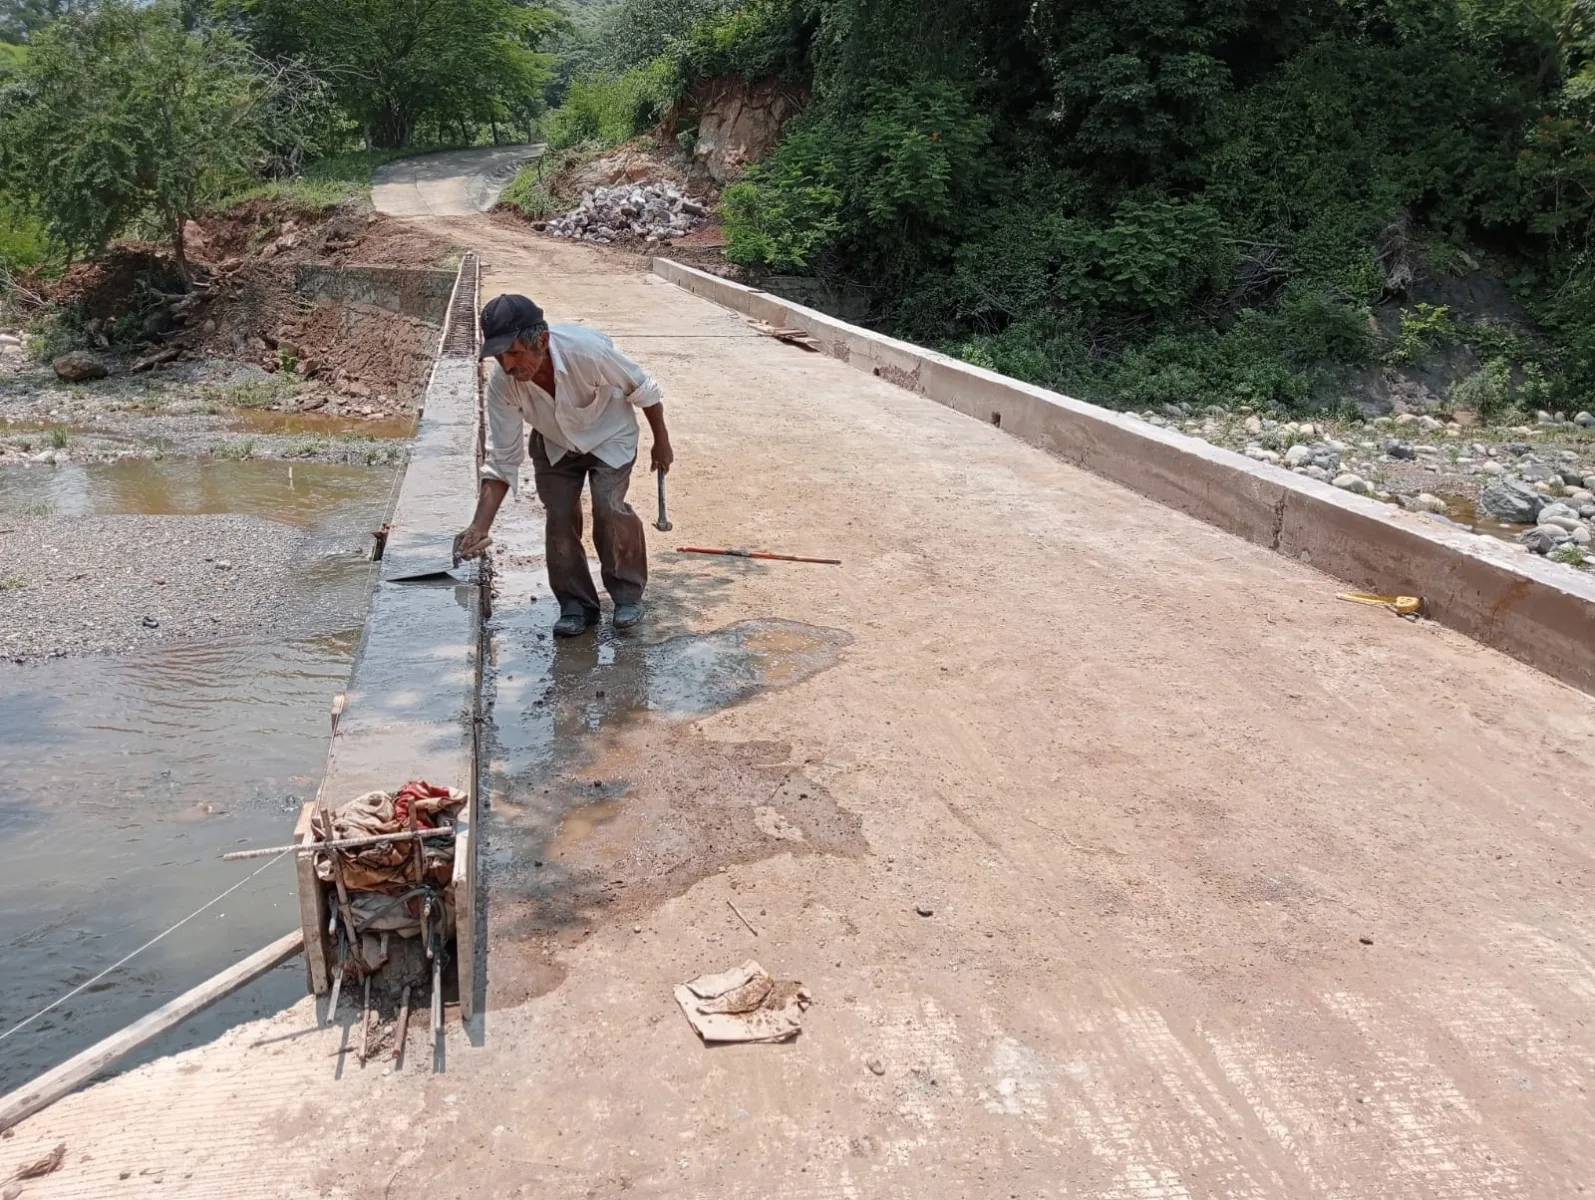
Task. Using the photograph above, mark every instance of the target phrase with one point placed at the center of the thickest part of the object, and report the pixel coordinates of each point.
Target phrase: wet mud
(607, 798)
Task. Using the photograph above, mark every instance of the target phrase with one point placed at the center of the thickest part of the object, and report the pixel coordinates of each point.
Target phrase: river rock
(1396, 448)
(1253, 425)
(1428, 502)
(1352, 483)
(1581, 535)
(75, 366)
(1557, 509)
(1258, 454)
(1297, 455)
(1492, 468)
(1559, 522)
(1430, 424)
(1585, 420)
(1511, 501)
(1542, 539)
(1571, 477)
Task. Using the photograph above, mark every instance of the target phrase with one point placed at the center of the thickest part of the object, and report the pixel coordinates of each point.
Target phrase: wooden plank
(312, 910)
(465, 897)
(78, 1070)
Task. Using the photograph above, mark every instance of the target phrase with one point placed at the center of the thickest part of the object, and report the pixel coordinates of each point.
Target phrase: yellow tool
(1402, 606)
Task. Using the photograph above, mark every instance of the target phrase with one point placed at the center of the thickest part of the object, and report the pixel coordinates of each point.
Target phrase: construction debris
(743, 1005)
(651, 211)
(791, 336)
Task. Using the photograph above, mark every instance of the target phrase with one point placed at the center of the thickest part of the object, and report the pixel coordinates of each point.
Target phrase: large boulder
(77, 365)
(1511, 501)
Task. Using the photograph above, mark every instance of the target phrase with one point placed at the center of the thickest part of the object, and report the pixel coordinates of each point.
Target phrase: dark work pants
(617, 530)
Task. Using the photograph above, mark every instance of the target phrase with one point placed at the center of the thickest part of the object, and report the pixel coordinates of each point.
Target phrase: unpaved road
(449, 184)
(1237, 890)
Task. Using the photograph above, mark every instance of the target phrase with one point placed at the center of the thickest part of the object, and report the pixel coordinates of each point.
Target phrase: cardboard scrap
(743, 1005)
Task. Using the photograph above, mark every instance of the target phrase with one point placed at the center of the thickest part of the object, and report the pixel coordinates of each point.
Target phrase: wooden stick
(403, 1028)
(78, 1070)
(341, 844)
(337, 989)
(437, 995)
(743, 919)
(829, 562)
(365, 1021)
(337, 878)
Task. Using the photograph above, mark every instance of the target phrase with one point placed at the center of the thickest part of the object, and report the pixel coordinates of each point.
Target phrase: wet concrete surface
(606, 799)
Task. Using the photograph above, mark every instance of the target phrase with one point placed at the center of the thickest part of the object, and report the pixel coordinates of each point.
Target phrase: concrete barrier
(410, 708)
(1540, 612)
(413, 291)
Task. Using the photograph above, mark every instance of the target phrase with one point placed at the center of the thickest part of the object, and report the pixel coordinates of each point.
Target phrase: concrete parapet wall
(415, 292)
(1540, 612)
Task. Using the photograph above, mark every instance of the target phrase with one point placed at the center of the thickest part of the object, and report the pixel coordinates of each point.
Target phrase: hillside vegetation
(1196, 201)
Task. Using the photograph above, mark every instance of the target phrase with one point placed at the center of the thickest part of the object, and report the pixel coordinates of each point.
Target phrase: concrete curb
(1536, 611)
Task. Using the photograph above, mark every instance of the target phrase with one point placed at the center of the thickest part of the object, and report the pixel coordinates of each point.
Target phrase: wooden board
(312, 911)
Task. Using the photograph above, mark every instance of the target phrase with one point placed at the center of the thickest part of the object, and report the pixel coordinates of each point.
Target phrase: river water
(125, 778)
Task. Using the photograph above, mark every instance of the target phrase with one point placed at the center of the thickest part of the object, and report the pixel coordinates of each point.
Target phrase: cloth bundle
(389, 867)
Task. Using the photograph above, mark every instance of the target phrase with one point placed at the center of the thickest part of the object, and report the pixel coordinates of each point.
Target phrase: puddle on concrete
(294, 493)
(607, 797)
(126, 777)
(265, 420)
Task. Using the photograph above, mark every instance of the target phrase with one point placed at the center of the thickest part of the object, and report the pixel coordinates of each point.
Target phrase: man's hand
(663, 455)
(472, 543)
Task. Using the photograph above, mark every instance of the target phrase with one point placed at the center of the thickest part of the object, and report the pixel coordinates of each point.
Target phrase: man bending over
(578, 395)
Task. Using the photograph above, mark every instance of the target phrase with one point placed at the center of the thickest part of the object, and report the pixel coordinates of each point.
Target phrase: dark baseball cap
(504, 319)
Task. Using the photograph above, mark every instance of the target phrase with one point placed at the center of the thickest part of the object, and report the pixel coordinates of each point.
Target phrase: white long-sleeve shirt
(596, 392)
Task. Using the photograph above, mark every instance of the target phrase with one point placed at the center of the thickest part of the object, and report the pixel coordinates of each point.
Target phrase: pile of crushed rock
(651, 211)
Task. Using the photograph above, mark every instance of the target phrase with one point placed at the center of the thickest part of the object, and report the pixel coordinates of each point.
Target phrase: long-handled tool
(663, 523)
(830, 562)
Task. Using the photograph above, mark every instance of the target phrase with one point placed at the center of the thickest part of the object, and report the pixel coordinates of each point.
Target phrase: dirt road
(1234, 890)
(449, 184)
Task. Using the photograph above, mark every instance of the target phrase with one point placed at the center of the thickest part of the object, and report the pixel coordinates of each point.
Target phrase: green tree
(120, 114)
(21, 19)
(397, 66)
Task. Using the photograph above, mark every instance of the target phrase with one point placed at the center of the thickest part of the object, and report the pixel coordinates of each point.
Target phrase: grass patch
(58, 438)
(1570, 553)
(328, 181)
(237, 451)
(304, 447)
(10, 583)
(42, 508)
(251, 393)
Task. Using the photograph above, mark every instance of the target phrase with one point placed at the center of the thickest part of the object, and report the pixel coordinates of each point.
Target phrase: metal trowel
(417, 556)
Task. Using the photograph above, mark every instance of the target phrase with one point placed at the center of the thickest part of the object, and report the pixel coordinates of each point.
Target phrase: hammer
(663, 523)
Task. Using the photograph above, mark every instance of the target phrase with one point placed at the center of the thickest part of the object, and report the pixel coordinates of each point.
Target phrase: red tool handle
(830, 562)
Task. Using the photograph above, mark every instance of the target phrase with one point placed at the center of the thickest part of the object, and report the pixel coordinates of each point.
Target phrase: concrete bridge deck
(1236, 890)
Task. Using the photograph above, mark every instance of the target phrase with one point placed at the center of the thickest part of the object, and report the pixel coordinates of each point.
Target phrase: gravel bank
(114, 584)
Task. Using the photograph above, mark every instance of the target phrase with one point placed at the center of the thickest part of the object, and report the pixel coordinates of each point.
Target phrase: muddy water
(300, 494)
(1467, 513)
(126, 778)
(265, 420)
